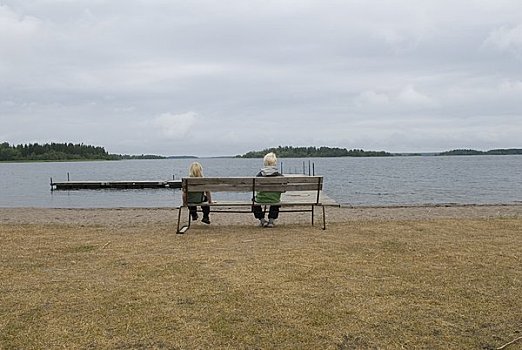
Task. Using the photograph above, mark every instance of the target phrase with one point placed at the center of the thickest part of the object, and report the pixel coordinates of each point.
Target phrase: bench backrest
(252, 184)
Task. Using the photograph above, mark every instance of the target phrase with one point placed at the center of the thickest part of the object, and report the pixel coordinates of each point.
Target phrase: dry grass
(448, 283)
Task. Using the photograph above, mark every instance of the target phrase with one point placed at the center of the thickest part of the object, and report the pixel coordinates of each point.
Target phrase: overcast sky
(206, 77)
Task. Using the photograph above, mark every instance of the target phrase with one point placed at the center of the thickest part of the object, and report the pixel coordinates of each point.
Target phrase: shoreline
(124, 216)
(344, 205)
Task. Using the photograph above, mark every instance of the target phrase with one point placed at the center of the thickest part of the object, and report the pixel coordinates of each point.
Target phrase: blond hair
(196, 170)
(270, 159)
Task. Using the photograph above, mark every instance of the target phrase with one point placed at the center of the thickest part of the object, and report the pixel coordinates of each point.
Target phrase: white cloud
(511, 86)
(405, 99)
(172, 126)
(19, 26)
(506, 38)
(371, 98)
(18, 36)
(411, 97)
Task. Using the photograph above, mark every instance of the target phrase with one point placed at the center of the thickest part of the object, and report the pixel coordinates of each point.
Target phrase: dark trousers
(193, 210)
(204, 208)
(273, 212)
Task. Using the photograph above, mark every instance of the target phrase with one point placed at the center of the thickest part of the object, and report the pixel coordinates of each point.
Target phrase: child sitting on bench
(196, 170)
(269, 169)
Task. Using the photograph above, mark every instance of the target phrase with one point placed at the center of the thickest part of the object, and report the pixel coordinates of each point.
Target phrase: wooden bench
(296, 191)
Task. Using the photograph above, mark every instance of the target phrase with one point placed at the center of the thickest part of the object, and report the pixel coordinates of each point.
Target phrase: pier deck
(128, 184)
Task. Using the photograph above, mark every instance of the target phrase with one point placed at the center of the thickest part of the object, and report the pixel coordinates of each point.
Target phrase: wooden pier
(129, 184)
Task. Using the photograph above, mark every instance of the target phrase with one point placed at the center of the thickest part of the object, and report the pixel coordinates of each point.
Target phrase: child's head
(270, 159)
(196, 170)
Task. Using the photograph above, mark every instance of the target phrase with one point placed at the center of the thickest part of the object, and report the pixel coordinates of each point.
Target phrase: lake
(351, 181)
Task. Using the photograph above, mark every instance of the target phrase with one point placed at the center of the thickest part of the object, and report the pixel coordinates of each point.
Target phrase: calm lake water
(352, 181)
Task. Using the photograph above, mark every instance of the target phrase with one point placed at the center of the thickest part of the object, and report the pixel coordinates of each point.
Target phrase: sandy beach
(168, 216)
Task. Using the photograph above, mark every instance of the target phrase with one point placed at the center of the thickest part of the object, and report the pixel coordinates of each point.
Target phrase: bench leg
(179, 219)
(183, 229)
(324, 218)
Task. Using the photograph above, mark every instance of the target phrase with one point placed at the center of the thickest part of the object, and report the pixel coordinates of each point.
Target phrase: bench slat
(304, 179)
(219, 188)
(250, 180)
(246, 184)
(259, 187)
(304, 187)
(218, 180)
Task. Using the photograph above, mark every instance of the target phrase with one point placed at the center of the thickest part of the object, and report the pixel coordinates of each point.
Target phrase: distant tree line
(472, 152)
(307, 152)
(61, 151)
(70, 151)
(53, 151)
(143, 156)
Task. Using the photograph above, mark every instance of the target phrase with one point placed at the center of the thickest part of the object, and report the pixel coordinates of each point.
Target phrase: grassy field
(429, 284)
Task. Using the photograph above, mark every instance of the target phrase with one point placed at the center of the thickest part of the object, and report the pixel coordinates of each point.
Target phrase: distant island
(472, 152)
(306, 152)
(61, 152)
